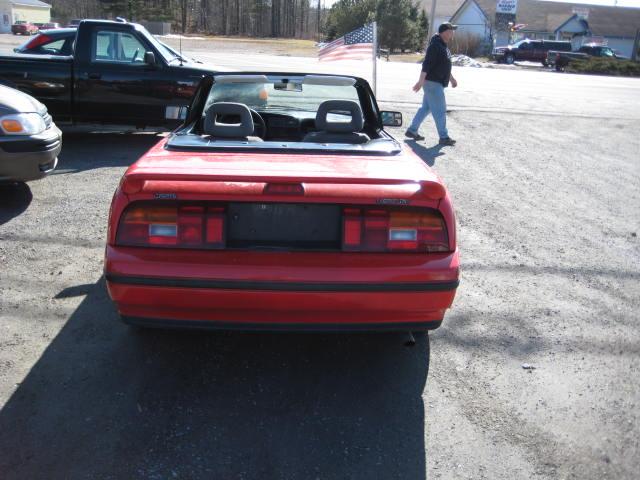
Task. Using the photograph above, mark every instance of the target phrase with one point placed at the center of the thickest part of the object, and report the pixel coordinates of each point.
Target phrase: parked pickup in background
(529, 50)
(560, 60)
(116, 73)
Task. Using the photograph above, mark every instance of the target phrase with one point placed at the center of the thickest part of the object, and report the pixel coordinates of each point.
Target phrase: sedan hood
(14, 101)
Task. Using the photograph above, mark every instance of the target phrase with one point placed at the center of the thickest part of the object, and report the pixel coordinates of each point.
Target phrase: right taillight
(394, 230)
(175, 226)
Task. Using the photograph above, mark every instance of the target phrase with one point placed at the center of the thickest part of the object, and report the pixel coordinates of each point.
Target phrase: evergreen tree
(136, 10)
(401, 24)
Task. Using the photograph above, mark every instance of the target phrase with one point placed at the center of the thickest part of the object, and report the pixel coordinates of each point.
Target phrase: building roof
(542, 16)
(444, 8)
(30, 3)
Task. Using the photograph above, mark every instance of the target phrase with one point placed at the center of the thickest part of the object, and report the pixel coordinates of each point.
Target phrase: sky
(620, 3)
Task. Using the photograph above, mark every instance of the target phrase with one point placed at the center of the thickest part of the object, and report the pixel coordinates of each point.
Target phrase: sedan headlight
(22, 124)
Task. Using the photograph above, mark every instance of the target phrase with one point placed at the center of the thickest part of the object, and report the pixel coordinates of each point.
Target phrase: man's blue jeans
(433, 101)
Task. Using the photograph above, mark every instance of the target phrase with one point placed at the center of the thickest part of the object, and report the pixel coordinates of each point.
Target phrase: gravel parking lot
(548, 217)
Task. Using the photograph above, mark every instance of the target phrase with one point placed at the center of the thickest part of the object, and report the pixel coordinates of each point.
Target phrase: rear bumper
(30, 158)
(279, 291)
(281, 327)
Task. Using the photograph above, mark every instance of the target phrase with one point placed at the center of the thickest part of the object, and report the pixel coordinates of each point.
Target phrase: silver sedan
(29, 140)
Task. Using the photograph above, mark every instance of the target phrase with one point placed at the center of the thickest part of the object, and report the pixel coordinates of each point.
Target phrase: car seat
(229, 131)
(338, 132)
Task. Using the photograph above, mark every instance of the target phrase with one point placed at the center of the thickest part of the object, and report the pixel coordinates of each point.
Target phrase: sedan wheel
(509, 58)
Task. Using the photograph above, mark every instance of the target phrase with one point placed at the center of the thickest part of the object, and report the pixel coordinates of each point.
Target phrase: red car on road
(282, 203)
(24, 28)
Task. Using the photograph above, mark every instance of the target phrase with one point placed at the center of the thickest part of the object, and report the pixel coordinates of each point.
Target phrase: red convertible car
(282, 203)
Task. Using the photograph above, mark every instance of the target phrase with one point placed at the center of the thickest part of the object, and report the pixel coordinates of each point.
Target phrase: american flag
(356, 45)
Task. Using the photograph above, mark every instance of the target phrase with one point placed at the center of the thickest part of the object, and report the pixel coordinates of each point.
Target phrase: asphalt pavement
(532, 375)
(510, 90)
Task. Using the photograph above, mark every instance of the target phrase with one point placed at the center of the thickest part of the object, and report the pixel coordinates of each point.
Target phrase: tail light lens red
(203, 226)
(37, 41)
(176, 226)
(394, 230)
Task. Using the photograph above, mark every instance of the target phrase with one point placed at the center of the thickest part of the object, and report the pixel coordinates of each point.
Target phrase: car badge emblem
(392, 201)
(165, 196)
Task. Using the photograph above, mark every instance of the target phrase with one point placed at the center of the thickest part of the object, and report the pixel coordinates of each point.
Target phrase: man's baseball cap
(446, 26)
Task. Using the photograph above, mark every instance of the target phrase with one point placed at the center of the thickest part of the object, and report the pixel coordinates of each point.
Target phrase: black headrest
(339, 106)
(228, 130)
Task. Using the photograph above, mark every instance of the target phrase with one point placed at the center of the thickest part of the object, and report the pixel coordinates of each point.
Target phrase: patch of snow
(184, 37)
(464, 61)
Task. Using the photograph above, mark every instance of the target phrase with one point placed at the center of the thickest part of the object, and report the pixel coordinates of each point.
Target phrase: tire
(545, 63)
(559, 68)
(509, 58)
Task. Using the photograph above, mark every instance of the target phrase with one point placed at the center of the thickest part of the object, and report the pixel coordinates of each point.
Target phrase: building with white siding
(33, 11)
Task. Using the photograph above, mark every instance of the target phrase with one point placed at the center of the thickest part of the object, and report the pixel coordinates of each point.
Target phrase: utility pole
(432, 18)
(319, 6)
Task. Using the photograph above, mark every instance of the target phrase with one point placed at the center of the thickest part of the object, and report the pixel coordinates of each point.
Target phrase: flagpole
(375, 58)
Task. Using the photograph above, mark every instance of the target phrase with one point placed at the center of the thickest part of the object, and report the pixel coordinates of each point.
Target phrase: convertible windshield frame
(269, 92)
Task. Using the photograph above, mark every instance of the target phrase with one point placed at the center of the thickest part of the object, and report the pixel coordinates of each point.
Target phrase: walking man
(434, 78)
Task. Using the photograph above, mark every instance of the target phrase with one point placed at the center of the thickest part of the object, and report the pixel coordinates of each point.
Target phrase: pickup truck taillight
(394, 230)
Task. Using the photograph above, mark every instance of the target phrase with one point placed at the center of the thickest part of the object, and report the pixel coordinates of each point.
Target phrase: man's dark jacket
(437, 61)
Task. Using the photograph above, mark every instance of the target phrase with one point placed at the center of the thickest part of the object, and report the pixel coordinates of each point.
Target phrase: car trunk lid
(400, 177)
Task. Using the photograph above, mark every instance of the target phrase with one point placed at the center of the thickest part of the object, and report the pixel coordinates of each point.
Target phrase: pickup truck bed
(51, 85)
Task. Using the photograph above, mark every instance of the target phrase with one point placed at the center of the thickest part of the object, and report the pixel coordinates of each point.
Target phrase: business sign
(507, 6)
(582, 13)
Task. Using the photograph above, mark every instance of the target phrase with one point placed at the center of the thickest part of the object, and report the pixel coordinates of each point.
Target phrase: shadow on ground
(427, 154)
(106, 401)
(116, 149)
(15, 198)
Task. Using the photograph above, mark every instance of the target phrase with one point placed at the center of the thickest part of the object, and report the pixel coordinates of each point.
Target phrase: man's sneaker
(448, 141)
(415, 136)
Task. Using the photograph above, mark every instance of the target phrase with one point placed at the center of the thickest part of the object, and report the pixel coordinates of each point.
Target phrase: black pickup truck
(560, 60)
(118, 73)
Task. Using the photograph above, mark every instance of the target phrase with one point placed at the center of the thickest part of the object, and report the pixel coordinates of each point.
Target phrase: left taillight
(37, 41)
(393, 230)
(172, 226)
